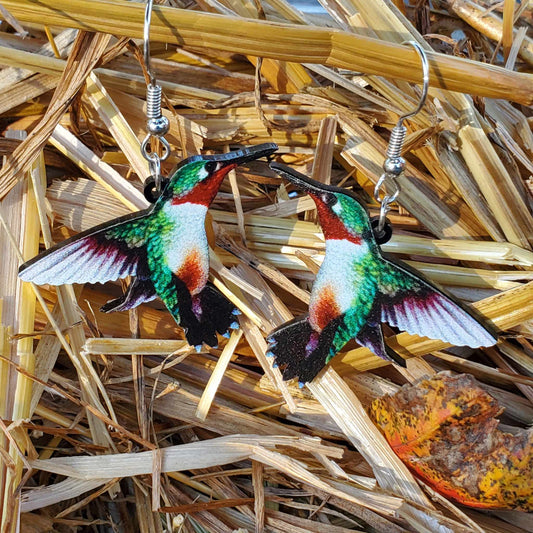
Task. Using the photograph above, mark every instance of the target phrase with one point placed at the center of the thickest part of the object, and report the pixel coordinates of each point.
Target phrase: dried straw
(101, 405)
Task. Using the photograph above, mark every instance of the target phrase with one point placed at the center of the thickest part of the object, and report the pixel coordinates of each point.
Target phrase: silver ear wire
(146, 37)
(425, 80)
(157, 124)
(394, 164)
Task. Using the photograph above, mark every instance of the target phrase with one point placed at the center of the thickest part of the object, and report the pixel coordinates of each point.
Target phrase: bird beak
(310, 186)
(231, 159)
(250, 153)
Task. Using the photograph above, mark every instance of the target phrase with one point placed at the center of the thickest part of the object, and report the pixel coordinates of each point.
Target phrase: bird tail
(206, 314)
(213, 308)
(301, 350)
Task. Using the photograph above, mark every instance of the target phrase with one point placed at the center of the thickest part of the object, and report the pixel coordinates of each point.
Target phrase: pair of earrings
(164, 248)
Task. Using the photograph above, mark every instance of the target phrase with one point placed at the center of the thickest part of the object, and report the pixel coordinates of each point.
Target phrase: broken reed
(284, 42)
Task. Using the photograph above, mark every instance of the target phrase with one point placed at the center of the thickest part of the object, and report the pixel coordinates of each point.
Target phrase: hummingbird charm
(357, 288)
(164, 247)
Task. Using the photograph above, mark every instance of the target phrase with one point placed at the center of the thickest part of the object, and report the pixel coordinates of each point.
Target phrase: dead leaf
(444, 429)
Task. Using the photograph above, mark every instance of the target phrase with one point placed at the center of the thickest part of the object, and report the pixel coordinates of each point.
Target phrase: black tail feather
(216, 309)
(184, 314)
(198, 333)
(205, 314)
(302, 351)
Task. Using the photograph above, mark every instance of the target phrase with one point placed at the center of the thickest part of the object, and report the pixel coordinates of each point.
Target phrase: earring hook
(157, 124)
(425, 81)
(394, 164)
(146, 36)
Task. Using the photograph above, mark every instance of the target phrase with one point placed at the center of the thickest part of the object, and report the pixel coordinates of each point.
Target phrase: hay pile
(125, 426)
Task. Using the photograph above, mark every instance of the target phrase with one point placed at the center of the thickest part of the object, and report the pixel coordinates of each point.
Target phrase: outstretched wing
(413, 304)
(104, 253)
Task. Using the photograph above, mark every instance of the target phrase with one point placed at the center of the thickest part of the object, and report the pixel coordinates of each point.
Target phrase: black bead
(385, 234)
(150, 191)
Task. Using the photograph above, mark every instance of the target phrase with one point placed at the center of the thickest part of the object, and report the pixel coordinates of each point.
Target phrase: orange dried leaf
(444, 429)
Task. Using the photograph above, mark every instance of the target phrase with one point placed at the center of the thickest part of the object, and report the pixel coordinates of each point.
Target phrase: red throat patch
(206, 190)
(326, 308)
(332, 226)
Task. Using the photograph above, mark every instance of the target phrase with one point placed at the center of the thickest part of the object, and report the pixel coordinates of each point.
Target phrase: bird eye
(211, 166)
(329, 199)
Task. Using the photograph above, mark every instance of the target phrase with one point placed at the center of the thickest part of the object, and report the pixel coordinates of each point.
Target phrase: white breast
(337, 272)
(187, 236)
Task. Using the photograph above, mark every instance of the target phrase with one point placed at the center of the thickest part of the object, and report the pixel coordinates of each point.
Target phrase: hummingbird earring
(164, 248)
(358, 286)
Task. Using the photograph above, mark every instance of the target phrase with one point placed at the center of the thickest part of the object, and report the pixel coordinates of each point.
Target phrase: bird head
(198, 178)
(341, 213)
